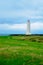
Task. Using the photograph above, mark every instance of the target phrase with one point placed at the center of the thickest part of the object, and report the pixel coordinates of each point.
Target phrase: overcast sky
(15, 13)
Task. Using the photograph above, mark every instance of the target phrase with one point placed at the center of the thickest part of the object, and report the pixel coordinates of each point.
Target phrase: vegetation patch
(21, 50)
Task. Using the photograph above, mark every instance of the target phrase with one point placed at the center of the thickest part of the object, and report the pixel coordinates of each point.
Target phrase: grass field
(21, 50)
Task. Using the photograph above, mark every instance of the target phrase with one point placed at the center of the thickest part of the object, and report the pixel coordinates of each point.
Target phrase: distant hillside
(26, 35)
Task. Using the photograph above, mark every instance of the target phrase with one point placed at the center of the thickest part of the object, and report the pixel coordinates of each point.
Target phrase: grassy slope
(18, 50)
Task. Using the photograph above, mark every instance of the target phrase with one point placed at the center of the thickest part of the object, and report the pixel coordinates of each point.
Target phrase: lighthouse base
(28, 33)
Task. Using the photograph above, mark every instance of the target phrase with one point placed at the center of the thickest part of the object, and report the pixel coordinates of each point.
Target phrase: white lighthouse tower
(28, 28)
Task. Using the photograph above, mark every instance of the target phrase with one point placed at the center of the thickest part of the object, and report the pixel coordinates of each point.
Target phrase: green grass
(21, 50)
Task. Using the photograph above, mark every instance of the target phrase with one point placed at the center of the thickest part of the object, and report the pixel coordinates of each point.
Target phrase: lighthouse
(28, 28)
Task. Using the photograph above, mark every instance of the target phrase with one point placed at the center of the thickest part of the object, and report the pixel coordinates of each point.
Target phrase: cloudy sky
(15, 13)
